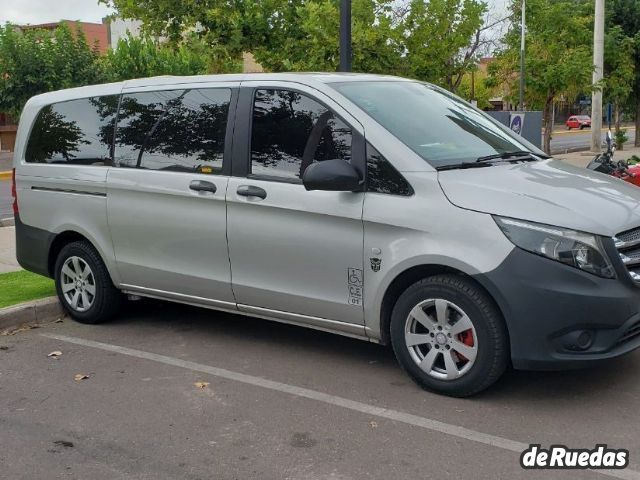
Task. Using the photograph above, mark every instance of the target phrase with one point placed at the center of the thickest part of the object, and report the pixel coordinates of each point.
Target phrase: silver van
(375, 207)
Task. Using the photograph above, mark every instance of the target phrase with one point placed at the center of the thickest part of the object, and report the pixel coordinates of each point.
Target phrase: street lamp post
(345, 35)
(598, 64)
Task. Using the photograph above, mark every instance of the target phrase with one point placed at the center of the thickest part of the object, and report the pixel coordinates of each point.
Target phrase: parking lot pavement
(281, 403)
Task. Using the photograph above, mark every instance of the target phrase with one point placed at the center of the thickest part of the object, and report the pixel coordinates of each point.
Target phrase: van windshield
(440, 127)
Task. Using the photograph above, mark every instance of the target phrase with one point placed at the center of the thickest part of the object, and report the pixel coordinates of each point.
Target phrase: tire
(581, 127)
(451, 373)
(87, 295)
(568, 127)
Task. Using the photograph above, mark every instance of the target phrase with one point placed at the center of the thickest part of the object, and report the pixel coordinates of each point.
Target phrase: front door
(294, 251)
(166, 194)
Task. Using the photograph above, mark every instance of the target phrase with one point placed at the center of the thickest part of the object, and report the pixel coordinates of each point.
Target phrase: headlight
(577, 249)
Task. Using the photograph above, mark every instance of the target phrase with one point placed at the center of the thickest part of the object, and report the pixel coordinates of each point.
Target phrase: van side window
(175, 130)
(76, 132)
(290, 131)
(382, 177)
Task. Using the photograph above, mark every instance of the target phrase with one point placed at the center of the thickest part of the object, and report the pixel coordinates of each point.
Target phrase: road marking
(389, 414)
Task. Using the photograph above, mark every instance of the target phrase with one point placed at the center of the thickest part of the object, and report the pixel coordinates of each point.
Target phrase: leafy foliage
(37, 61)
(558, 58)
(623, 20)
(434, 40)
(139, 57)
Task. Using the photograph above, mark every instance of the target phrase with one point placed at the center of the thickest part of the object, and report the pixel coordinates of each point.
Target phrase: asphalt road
(572, 140)
(281, 402)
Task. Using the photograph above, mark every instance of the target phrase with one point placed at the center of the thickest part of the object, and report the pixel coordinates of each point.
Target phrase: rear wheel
(83, 284)
(449, 336)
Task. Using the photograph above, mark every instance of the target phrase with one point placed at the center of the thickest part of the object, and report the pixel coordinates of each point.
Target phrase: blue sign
(516, 122)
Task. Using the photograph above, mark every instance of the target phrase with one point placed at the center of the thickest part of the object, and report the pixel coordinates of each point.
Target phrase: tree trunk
(617, 125)
(547, 112)
(637, 141)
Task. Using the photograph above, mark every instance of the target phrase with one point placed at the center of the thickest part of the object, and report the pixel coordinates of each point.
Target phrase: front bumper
(548, 306)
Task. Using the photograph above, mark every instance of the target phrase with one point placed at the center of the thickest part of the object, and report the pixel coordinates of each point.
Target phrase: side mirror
(332, 175)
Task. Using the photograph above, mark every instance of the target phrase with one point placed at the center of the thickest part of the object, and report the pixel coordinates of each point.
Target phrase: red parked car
(579, 121)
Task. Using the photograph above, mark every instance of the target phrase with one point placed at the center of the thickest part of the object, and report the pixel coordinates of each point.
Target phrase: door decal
(376, 263)
(354, 286)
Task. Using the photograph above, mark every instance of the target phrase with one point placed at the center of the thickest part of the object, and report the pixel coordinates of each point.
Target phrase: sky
(41, 11)
(45, 11)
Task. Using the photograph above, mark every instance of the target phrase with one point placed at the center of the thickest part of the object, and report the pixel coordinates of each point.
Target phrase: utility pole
(598, 63)
(523, 27)
(345, 35)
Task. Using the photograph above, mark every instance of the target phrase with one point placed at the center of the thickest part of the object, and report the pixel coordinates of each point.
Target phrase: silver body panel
(288, 257)
(549, 191)
(168, 237)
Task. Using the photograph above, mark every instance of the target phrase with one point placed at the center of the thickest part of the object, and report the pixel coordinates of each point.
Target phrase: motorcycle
(605, 163)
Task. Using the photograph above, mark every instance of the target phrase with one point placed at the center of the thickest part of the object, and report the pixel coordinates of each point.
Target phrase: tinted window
(176, 130)
(290, 131)
(382, 177)
(77, 132)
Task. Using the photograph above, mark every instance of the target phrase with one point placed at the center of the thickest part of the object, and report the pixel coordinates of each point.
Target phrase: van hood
(547, 191)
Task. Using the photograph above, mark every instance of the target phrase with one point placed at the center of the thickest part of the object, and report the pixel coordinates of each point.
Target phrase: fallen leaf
(59, 321)
(80, 376)
(55, 354)
(201, 384)
(64, 443)
(373, 424)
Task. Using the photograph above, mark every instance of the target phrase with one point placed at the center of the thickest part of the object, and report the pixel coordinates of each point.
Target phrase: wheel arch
(66, 237)
(409, 276)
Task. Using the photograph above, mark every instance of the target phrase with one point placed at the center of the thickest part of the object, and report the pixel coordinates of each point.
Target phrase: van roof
(324, 77)
(308, 78)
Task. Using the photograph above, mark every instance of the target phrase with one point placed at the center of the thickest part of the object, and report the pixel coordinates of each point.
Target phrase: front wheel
(83, 284)
(449, 336)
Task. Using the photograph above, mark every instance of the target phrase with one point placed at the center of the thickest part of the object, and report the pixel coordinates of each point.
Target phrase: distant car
(579, 121)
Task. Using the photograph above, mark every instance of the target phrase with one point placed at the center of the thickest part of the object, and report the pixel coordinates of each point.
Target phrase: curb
(6, 175)
(7, 222)
(30, 313)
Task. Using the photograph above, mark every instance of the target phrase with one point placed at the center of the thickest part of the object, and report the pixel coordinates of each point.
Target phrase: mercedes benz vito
(375, 207)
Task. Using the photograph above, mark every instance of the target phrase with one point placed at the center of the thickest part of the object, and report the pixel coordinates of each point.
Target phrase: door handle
(203, 186)
(251, 191)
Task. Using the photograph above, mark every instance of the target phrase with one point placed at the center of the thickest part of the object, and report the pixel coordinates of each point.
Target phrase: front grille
(630, 334)
(628, 245)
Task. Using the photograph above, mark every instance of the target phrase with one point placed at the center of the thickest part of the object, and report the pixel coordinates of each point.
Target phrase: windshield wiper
(455, 166)
(512, 156)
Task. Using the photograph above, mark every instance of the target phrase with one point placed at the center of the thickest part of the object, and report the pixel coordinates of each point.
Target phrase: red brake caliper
(465, 337)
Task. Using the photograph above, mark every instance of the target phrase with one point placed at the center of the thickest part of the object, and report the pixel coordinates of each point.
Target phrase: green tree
(558, 54)
(441, 39)
(37, 61)
(435, 40)
(482, 92)
(619, 74)
(143, 57)
(625, 15)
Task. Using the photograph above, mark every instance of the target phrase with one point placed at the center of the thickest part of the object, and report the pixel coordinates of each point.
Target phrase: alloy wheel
(441, 339)
(78, 284)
